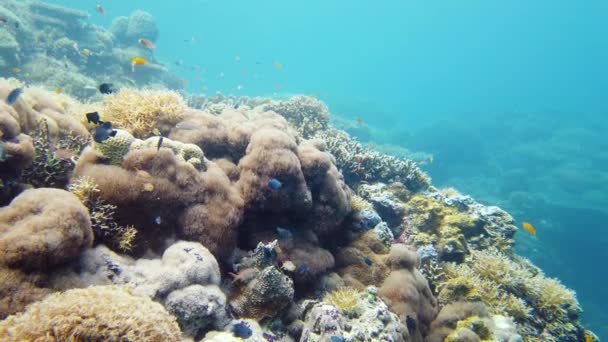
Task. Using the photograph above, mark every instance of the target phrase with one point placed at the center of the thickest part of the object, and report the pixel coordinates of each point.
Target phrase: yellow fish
(529, 228)
(137, 61)
(278, 65)
(58, 90)
(148, 187)
(16, 70)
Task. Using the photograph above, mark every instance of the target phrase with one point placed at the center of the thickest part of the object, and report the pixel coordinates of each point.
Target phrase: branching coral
(140, 111)
(52, 163)
(104, 226)
(111, 313)
(510, 287)
(359, 163)
(306, 113)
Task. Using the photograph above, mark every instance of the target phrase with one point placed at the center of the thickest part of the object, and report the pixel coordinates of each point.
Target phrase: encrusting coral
(110, 313)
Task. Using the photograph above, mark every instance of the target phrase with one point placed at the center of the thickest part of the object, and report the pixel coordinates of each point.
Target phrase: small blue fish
(14, 95)
(367, 261)
(337, 339)
(158, 220)
(242, 330)
(103, 132)
(284, 234)
(274, 184)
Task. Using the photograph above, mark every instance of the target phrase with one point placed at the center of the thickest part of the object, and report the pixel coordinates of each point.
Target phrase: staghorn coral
(140, 111)
(43, 228)
(111, 313)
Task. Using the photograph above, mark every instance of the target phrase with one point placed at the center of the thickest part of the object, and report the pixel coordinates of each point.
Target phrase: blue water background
(509, 96)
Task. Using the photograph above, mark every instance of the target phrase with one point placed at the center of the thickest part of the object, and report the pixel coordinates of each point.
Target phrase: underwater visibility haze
(304, 170)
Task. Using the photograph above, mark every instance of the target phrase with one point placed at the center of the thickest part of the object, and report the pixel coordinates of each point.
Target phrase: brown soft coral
(43, 227)
(272, 154)
(99, 313)
(331, 196)
(204, 206)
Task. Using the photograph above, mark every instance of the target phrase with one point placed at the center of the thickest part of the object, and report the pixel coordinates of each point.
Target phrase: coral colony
(228, 219)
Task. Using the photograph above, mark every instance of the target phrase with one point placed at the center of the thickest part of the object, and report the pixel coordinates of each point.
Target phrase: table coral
(110, 313)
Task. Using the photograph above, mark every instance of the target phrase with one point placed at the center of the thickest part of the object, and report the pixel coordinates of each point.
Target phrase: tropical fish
(274, 184)
(237, 58)
(288, 266)
(58, 90)
(148, 187)
(242, 330)
(411, 323)
(86, 53)
(337, 339)
(2, 21)
(278, 65)
(160, 142)
(137, 61)
(284, 234)
(529, 228)
(103, 132)
(94, 118)
(588, 338)
(158, 220)
(155, 131)
(187, 125)
(367, 261)
(106, 88)
(147, 43)
(360, 122)
(100, 9)
(16, 70)
(13, 96)
(64, 154)
(244, 276)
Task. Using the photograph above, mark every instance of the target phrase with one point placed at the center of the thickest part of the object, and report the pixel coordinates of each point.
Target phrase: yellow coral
(345, 298)
(140, 111)
(358, 203)
(98, 313)
(126, 238)
(84, 188)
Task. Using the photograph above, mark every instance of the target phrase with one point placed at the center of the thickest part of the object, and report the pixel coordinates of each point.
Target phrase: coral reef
(57, 46)
(110, 313)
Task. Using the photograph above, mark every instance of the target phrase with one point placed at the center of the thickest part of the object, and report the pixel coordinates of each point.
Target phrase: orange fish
(58, 90)
(100, 9)
(589, 338)
(147, 43)
(278, 65)
(529, 228)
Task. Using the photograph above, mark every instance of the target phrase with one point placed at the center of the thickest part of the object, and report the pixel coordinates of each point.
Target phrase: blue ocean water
(508, 97)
